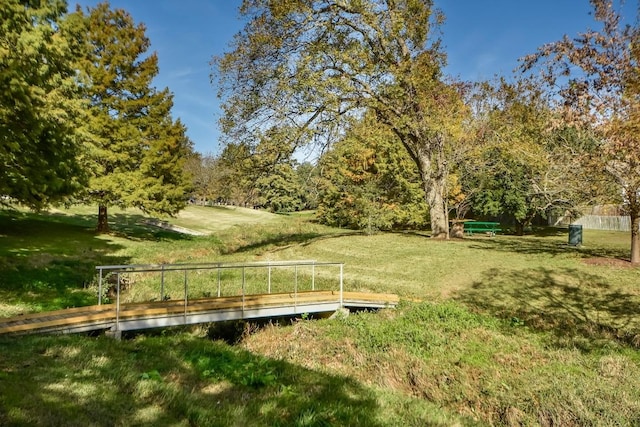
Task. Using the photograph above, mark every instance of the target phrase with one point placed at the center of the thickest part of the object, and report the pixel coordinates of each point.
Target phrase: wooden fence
(596, 222)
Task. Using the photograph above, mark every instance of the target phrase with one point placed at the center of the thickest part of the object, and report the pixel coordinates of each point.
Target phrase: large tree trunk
(103, 224)
(522, 225)
(434, 177)
(437, 211)
(520, 228)
(633, 194)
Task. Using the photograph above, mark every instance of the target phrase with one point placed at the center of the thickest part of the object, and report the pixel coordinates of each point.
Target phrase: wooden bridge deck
(136, 316)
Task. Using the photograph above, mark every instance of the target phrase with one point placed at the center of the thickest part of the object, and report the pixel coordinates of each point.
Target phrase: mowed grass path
(510, 330)
(213, 219)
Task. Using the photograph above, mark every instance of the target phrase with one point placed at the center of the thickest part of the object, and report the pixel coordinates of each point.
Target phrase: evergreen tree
(136, 150)
(39, 104)
(280, 191)
(369, 182)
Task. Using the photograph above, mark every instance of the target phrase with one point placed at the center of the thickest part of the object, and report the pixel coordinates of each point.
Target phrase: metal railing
(105, 271)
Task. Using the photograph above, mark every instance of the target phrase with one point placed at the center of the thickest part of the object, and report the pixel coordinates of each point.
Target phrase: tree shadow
(137, 227)
(48, 265)
(547, 232)
(413, 233)
(77, 381)
(534, 245)
(578, 309)
(282, 241)
(131, 226)
(134, 227)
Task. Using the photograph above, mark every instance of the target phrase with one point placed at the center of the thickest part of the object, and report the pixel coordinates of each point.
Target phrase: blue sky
(482, 38)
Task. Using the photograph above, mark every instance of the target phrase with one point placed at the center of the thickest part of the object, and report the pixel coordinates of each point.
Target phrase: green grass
(48, 261)
(178, 380)
(214, 219)
(509, 331)
(482, 368)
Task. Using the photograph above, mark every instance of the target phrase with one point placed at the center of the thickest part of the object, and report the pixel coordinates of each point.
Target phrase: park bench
(490, 228)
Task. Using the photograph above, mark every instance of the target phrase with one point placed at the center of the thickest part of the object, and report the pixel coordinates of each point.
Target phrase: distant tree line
(240, 177)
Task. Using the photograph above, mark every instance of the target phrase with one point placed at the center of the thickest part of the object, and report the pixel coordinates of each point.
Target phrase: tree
(370, 182)
(527, 167)
(311, 66)
(308, 176)
(136, 150)
(595, 78)
(262, 174)
(39, 104)
(280, 190)
(237, 175)
(205, 173)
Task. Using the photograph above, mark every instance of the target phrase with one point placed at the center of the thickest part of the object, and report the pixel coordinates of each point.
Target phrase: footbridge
(135, 297)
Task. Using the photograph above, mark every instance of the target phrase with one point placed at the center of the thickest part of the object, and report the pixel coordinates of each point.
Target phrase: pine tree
(39, 104)
(136, 150)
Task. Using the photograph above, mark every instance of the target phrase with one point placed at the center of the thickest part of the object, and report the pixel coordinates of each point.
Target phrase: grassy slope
(522, 331)
(218, 218)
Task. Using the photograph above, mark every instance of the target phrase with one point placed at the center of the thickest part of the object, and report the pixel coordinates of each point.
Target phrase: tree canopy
(79, 118)
(370, 182)
(310, 66)
(528, 165)
(40, 107)
(595, 79)
(136, 150)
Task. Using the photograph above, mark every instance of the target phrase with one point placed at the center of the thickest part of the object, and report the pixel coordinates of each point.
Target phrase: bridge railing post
(186, 295)
(295, 289)
(243, 288)
(219, 280)
(118, 301)
(341, 285)
(100, 286)
(162, 282)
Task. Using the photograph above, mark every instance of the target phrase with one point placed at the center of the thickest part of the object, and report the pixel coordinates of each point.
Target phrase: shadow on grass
(535, 231)
(578, 309)
(547, 232)
(127, 226)
(133, 227)
(533, 245)
(76, 381)
(48, 262)
(275, 242)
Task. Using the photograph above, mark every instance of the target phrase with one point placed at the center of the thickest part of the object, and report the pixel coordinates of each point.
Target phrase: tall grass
(489, 370)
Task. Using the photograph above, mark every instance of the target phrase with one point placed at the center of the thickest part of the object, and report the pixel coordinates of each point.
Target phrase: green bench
(491, 228)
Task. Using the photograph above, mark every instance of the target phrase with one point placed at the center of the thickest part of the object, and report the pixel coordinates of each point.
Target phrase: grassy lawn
(492, 331)
(214, 219)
